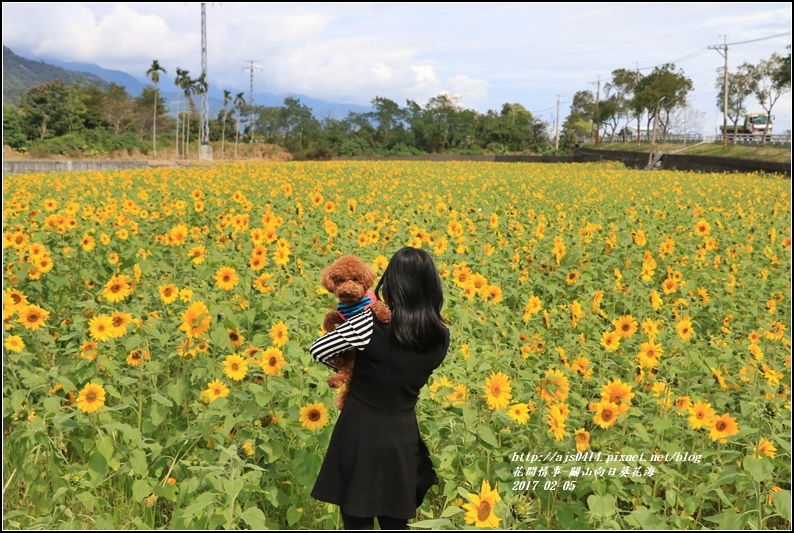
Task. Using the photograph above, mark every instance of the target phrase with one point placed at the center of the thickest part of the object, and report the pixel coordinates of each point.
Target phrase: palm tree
(227, 98)
(239, 103)
(188, 86)
(154, 74)
(179, 81)
(200, 86)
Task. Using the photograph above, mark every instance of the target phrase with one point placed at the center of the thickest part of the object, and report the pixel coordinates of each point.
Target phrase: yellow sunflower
(235, 367)
(684, 328)
(117, 288)
(519, 412)
(14, 343)
(606, 414)
(533, 307)
(196, 320)
(100, 327)
(235, 338)
(91, 398)
(279, 333)
(261, 283)
(723, 427)
(554, 387)
(226, 278)
(497, 391)
(765, 448)
(32, 316)
(119, 321)
(272, 361)
(610, 340)
(215, 389)
(137, 356)
(168, 293)
(626, 326)
(480, 509)
(582, 438)
(618, 393)
(314, 416)
(700, 415)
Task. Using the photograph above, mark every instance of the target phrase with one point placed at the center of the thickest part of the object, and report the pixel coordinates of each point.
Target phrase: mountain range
(20, 73)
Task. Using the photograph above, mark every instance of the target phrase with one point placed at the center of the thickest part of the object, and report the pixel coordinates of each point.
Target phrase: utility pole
(653, 134)
(635, 92)
(557, 127)
(204, 149)
(598, 99)
(251, 68)
(719, 48)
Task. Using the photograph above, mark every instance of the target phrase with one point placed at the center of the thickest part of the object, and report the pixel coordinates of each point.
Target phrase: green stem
(140, 396)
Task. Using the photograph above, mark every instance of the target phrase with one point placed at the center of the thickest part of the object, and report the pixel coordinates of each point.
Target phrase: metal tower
(205, 149)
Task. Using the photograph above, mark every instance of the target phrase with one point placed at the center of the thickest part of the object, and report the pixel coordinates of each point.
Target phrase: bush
(355, 146)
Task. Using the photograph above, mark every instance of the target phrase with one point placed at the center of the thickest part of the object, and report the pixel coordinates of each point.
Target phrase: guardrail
(692, 138)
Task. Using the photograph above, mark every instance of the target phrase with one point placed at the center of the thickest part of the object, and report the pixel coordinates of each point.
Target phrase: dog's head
(348, 278)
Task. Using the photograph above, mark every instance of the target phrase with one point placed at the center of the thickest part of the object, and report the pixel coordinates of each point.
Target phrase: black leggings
(385, 522)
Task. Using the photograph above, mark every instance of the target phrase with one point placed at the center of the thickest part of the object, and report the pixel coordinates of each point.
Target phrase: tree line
(91, 120)
(631, 102)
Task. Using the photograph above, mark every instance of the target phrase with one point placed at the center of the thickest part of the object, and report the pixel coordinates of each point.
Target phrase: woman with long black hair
(377, 464)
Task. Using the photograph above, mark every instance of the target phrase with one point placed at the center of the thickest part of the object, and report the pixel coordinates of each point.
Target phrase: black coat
(377, 463)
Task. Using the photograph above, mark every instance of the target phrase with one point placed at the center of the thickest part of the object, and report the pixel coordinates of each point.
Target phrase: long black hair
(412, 290)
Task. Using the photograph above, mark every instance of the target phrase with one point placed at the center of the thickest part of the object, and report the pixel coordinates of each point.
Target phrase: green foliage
(13, 134)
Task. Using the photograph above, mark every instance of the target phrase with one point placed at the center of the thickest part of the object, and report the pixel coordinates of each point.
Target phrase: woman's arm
(354, 333)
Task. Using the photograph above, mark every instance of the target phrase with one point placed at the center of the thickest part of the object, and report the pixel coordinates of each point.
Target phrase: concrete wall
(697, 163)
(18, 167)
(582, 155)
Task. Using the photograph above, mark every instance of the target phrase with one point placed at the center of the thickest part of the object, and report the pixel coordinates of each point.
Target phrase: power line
(761, 39)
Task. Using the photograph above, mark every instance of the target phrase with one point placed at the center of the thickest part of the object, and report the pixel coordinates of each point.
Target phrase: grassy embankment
(781, 154)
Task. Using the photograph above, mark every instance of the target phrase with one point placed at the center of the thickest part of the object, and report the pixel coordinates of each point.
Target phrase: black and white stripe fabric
(354, 333)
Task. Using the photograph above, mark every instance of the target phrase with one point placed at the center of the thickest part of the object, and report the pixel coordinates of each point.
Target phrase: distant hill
(134, 86)
(19, 74)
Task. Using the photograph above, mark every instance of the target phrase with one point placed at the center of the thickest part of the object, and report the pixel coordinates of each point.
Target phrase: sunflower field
(620, 357)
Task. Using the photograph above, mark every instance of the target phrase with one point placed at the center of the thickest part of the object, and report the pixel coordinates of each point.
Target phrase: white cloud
(488, 53)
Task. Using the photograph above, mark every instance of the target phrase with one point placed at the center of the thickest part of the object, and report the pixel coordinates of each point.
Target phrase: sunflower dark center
(484, 511)
(91, 396)
(314, 416)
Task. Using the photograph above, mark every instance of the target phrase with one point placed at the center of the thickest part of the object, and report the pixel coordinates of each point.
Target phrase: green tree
(13, 134)
(239, 104)
(388, 116)
(580, 119)
(154, 74)
(227, 99)
(180, 80)
(118, 108)
(45, 107)
(769, 84)
(621, 88)
(143, 104)
(664, 89)
(298, 122)
(740, 86)
(200, 87)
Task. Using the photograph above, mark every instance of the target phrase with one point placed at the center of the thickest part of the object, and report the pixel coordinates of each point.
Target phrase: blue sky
(486, 54)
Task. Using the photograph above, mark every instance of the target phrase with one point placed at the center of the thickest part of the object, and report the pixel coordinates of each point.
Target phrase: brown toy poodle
(350, 280)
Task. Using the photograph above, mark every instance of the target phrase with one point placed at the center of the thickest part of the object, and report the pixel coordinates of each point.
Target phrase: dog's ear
(326, 277)
(369, 275)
